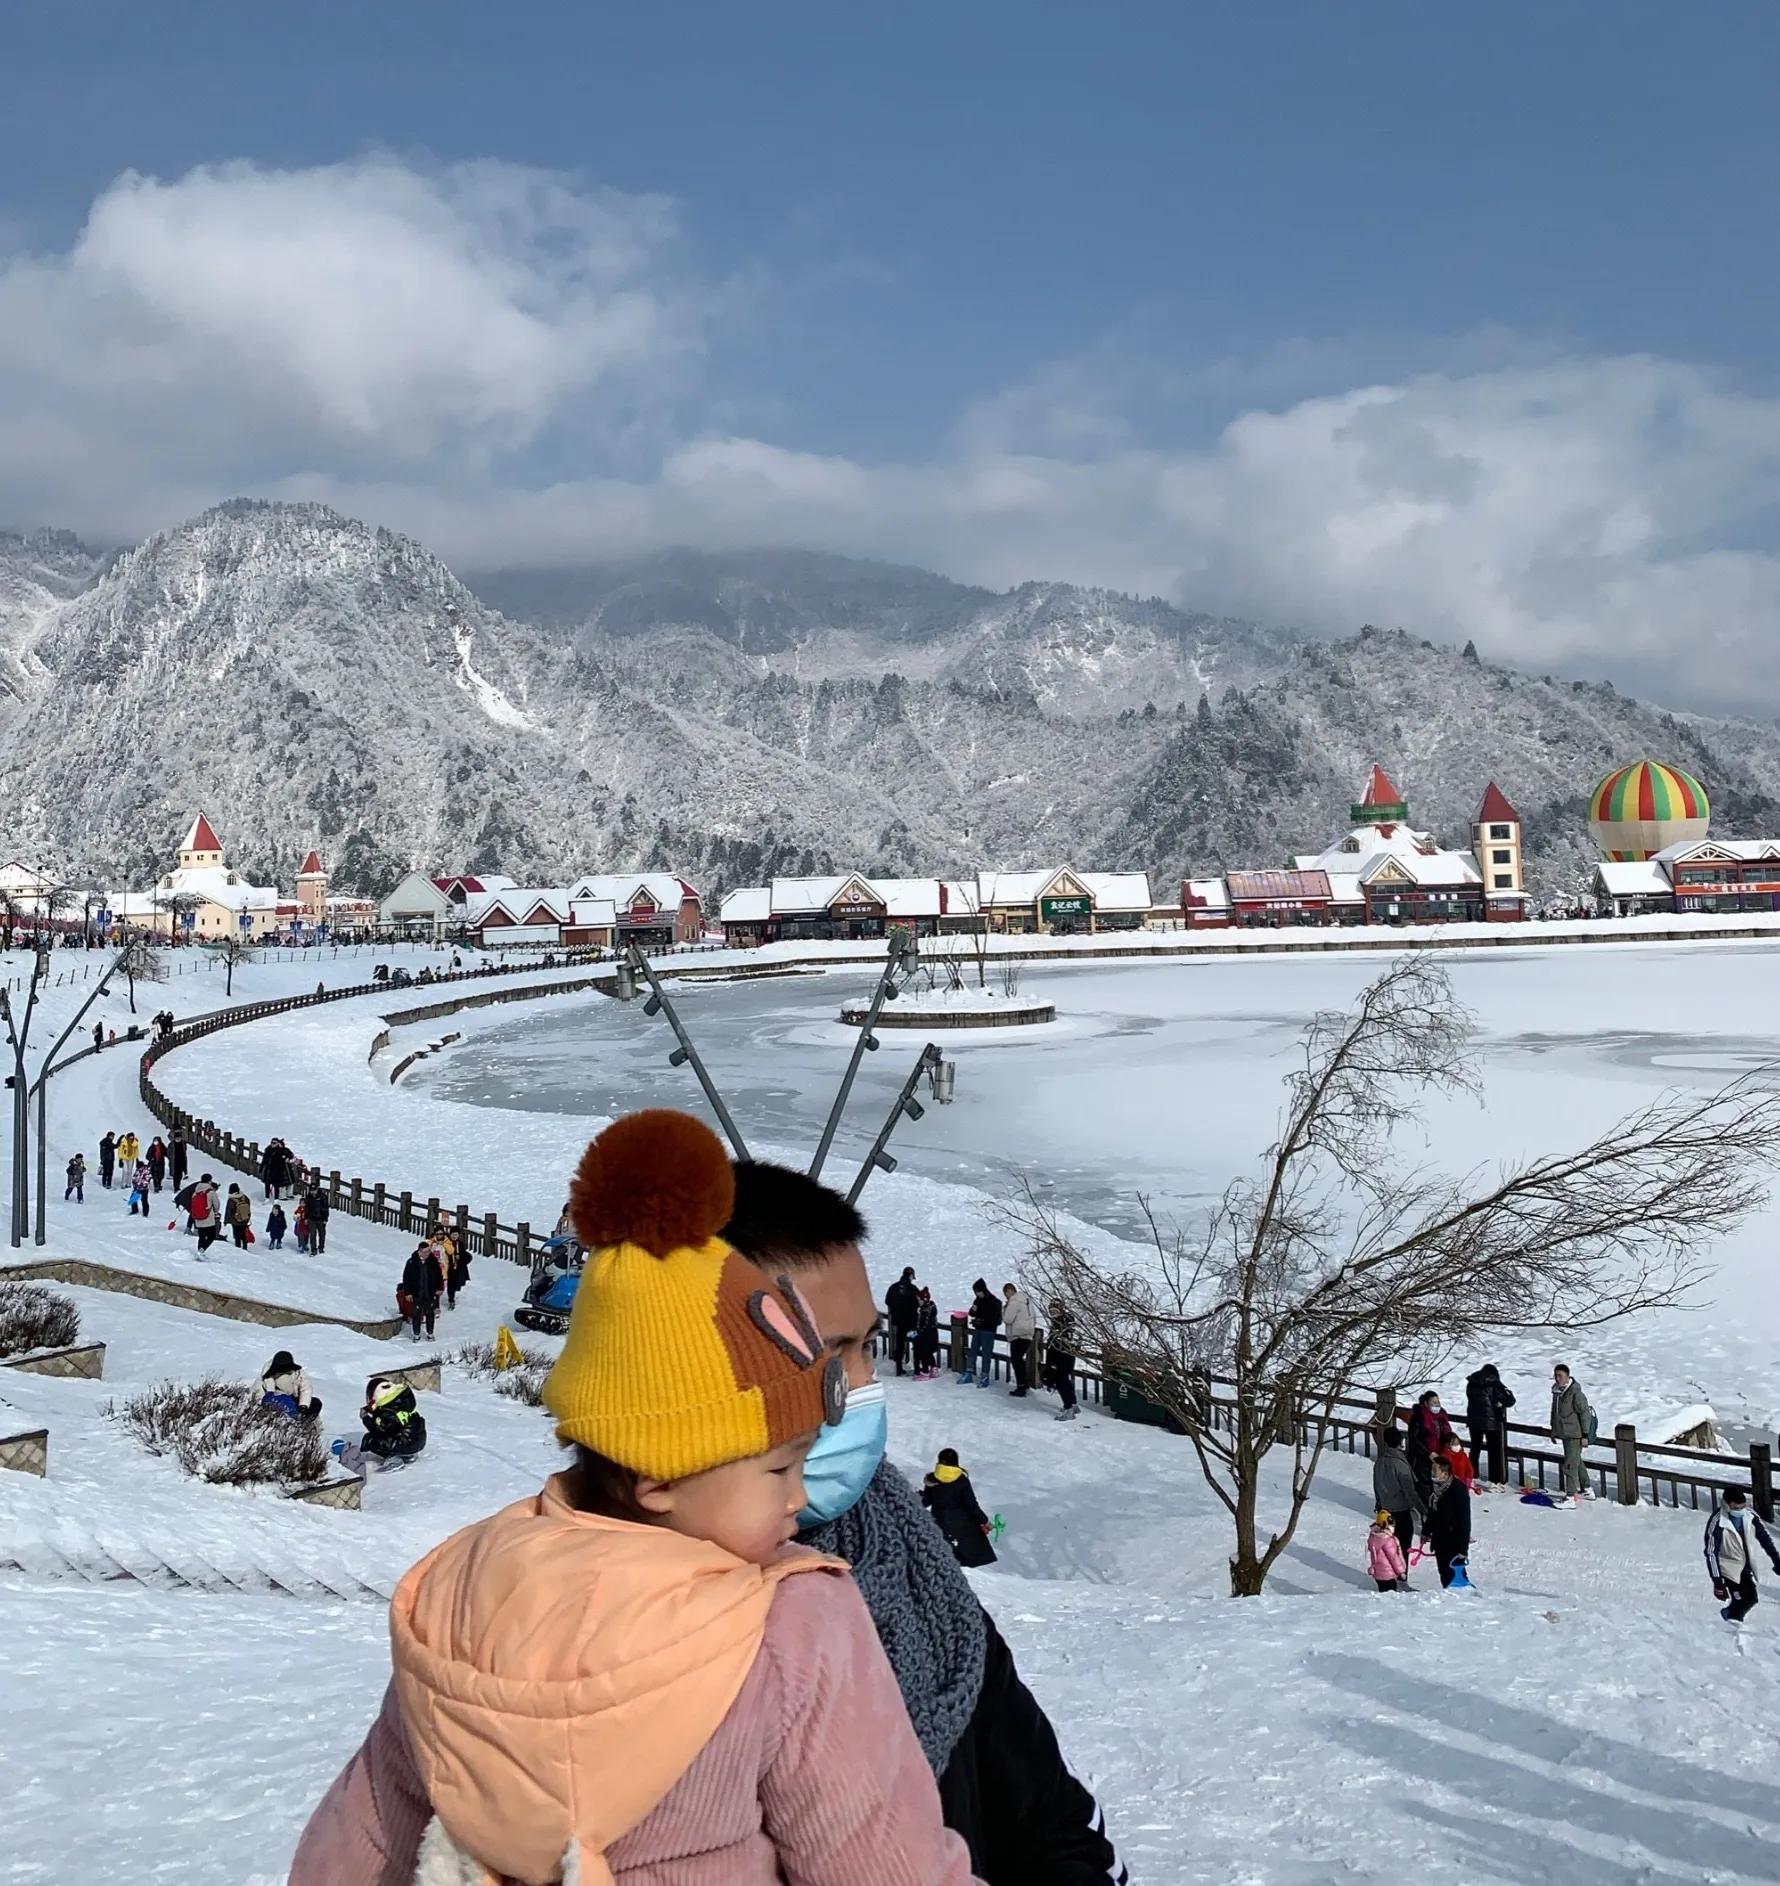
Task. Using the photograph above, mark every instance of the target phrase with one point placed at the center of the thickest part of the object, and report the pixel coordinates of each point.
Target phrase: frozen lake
(1163, 1079)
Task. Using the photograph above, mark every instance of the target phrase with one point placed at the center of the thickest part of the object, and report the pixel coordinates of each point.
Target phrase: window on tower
(1501, 857)
(1500, 831)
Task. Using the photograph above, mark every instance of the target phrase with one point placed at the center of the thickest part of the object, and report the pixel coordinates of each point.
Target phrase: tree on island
(1342, 1258)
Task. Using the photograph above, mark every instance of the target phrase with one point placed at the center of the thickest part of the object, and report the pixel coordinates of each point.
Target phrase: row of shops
(851, 907)
(655, 909)
(1713, 875)
(1382, 871)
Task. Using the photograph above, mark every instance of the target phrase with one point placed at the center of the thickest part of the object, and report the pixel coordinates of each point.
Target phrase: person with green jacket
(1571, 1421)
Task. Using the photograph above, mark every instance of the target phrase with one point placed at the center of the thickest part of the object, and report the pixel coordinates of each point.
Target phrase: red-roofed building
(200, 848)
(312, 891)
(1497, 826)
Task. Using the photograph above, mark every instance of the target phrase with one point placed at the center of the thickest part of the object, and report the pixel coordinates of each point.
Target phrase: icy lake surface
(1160, 1079)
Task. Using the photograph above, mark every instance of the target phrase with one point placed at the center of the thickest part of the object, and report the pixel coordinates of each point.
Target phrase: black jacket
(1008, 1791)
(275, 1165)
(985, 1311)
(953, 1504)
(927, 1326)
(177, 1155)
(1449, 1522)
(398, 1427)
(420, 1278)
(316, 1206)
(903, 1301)
(1486, 1401)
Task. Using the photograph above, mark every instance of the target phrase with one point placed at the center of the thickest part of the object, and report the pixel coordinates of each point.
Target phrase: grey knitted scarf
(928, 1618)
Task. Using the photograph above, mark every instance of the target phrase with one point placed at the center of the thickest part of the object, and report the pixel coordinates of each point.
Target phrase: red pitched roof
(311, 866)
(472, 885)
(1379, 790)
(1495, 809)
(202, 836)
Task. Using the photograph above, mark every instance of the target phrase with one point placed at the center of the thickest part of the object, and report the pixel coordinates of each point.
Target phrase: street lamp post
(46, 1068)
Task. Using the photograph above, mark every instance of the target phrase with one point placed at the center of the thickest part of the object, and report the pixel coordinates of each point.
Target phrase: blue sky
(1459, 317)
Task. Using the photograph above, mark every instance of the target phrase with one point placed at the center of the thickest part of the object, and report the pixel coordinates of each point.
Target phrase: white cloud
(376, 313)
(414, 343)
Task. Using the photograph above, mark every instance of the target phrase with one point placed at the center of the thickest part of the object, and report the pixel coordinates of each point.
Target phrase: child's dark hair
(1391, 1437)
(787, 1218)
(948, 1457)
(597, 1485)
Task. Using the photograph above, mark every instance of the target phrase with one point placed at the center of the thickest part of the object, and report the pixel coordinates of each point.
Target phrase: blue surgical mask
(845, 1457)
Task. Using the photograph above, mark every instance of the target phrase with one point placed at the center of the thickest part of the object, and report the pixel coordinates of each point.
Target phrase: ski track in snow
(1583, 1716)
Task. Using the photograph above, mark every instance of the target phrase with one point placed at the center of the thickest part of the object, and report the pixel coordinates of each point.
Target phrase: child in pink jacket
(634, 1675)
(1384, 1553)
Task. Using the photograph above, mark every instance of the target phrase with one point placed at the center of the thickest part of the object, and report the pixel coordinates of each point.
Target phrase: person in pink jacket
(1384, 1553)
(635, 1675)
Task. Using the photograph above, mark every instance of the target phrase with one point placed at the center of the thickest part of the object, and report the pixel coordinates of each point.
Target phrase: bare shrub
(220, 1433)
(34, 1318)
(524, 1383)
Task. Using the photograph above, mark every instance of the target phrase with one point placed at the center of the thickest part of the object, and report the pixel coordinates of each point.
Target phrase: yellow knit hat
(681, 1355)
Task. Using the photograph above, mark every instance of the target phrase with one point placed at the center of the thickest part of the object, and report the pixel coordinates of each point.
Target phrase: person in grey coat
(1394, 1490)
(1571, 1419)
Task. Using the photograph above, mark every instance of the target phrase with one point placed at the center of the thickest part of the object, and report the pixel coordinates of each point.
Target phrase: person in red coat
(1430, 1435)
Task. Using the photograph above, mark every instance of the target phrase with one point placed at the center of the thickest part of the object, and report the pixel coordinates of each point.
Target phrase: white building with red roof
(202, 897)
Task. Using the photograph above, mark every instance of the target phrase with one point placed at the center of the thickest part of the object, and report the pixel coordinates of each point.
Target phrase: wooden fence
(1636, 1470)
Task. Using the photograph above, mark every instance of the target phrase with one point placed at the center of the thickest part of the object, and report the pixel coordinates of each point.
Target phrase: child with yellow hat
(626, 1672)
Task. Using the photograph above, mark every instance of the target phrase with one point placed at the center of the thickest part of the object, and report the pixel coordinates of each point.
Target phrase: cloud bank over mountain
(522, 366)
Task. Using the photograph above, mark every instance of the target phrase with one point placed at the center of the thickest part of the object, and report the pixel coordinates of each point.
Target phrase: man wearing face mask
(1003, 1782)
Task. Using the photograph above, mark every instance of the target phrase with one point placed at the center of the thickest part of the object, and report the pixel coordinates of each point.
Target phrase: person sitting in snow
(949, 1497)
(1732, 1535)
(286, 1387)
(1447, 1529)
(1384, 1553)
(395, 1429)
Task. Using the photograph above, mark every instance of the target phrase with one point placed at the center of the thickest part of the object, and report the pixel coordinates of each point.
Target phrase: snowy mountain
(38, 573)
(312, 680)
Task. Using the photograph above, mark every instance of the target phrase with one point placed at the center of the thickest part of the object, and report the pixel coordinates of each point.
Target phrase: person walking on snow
(129, 1150)
(1394, 1490)
(422, 1285)
(275, 1168)
(926, 1336)
(1060, 1357)
(139, 1188)
(238, 1216)
(206, 1219)
(157, 1161)
(1385, 1558)
(1447, 1529)
(98, 1036)
(300, 1225)
(178, 1158)
(902, 1305)
(316, 1209)
(1572, 1424)
(1016, 1314)
(276, 1226)
(77, 1180)
(1487, 1402)
(1732, 1535)
(107, 1159)
(985, 1316)
(949, 1497)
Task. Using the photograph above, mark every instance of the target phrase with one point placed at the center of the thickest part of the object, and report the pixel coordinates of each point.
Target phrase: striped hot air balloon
(1636, 811)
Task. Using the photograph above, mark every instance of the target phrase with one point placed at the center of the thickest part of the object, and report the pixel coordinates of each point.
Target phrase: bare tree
(178, 905)
(140, 961)
(233, 950)
(1341, 1257)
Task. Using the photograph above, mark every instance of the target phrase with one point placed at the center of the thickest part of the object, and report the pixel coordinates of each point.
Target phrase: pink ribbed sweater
(814, 1778)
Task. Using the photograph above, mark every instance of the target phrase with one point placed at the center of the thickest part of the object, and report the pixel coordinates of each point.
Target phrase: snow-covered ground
(1584, 1715)
(1160, 1078)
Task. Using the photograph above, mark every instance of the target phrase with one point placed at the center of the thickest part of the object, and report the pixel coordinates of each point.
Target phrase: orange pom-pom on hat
(680, 1355)
(658, 1178)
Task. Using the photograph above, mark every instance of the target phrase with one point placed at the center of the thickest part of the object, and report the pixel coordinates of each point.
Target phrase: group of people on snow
(436, 1270)
(717, 1393)
(1012, 1313)
(394, 1429)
